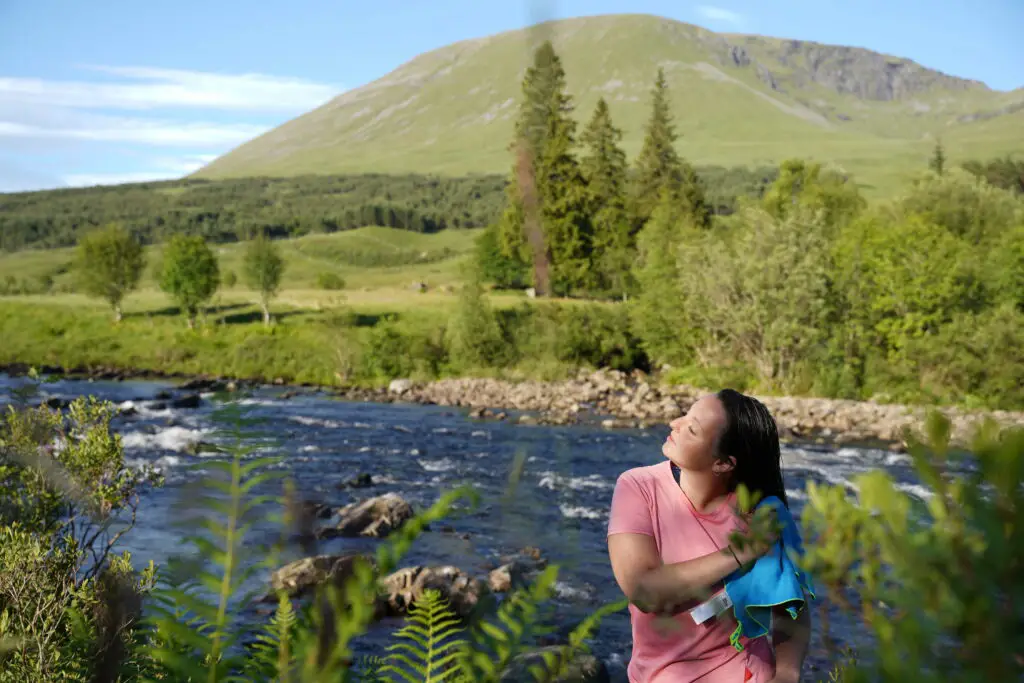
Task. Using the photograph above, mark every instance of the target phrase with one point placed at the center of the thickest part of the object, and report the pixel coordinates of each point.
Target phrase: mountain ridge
(738, 99)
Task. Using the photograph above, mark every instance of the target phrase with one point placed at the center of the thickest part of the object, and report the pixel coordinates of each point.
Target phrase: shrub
(939, 583)
(330, 281)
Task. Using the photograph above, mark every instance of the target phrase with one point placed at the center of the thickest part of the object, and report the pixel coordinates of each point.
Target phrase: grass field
(315, 331)
(368, 258)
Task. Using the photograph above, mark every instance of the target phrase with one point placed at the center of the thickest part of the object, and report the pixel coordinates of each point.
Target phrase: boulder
(516, 570)
(360, 481)
(186, 401)
(298, 577)
(374, 517)
(399, 386)
(406, 586)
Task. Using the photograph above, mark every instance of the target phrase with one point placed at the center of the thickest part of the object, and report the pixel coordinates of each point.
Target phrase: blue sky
(115, 91)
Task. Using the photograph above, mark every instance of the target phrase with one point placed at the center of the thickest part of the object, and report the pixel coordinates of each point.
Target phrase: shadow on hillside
(247, 317)
(174, 311)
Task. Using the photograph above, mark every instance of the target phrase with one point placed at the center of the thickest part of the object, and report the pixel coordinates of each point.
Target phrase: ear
(724, 466)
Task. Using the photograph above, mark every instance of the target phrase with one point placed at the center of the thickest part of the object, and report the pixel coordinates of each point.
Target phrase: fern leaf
(426, 641)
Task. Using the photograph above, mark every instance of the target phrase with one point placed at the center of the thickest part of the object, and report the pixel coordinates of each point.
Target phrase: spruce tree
(562, 192)
(545, 219)
(660, 168)
(938, 160)
(520, 237)
(604, 170)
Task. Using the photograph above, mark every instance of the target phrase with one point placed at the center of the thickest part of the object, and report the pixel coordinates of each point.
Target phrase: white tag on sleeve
(711, 608)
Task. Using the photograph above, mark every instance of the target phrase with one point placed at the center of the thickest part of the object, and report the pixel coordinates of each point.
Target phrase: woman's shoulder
(645, 476)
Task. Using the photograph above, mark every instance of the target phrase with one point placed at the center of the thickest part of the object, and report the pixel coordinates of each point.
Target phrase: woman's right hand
(761, 532)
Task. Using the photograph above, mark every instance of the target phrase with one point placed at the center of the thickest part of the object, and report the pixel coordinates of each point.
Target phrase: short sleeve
(631, 510)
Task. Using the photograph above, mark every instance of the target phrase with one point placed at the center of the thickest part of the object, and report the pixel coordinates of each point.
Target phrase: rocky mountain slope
(737, 99)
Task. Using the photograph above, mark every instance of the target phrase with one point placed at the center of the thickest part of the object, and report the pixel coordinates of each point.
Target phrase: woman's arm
(791, 638)
(667, 588)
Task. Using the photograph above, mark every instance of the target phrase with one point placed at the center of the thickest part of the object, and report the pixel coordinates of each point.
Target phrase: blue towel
(772, 581)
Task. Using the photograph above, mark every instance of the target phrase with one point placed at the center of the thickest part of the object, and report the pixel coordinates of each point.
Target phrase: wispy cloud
(160, 110)
(165, 88)
(720, 14)
(139, 131)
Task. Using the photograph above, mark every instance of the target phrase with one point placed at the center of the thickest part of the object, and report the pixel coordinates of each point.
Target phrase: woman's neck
(704, 489)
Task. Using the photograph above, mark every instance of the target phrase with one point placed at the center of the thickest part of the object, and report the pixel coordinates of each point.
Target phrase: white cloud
(164, 88)
(721, 14)
(145, 108)
(139, 131)
(162, 168)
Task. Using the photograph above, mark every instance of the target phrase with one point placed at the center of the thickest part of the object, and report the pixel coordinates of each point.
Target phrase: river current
(560, 504)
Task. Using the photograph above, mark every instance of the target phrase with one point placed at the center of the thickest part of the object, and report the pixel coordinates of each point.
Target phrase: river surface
(560, 504)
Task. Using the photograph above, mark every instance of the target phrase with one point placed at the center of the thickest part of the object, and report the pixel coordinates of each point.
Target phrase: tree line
(232, 210)
(109, 263)
(805, 289)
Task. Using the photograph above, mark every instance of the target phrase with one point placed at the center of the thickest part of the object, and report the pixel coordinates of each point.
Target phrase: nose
(675, 423)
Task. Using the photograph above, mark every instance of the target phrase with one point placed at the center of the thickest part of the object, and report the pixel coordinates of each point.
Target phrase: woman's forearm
(671, 588)
(791, 638)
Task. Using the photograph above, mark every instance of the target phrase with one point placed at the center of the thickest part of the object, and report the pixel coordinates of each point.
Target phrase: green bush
(68, 607)
(330, 281)
(939, 583)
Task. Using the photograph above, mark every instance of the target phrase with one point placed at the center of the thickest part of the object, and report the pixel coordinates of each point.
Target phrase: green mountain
(737, 100)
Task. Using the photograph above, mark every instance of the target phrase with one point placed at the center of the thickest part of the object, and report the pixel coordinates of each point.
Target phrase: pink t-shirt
(648, 501)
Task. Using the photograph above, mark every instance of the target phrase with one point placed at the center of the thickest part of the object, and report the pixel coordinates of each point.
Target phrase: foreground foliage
(937, 584)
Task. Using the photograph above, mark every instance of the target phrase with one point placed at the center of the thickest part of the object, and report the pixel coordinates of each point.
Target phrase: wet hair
(752, 437)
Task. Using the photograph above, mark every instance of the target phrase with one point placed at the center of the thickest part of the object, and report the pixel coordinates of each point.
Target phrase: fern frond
(557, 662)
(491, 648)
(344, 613)
(193, 633)
(271, 656)
(428, 643)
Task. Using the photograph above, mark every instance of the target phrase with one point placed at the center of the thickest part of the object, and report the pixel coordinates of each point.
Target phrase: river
(559, 506)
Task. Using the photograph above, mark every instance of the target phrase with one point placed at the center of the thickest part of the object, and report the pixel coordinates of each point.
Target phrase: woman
(668, 540)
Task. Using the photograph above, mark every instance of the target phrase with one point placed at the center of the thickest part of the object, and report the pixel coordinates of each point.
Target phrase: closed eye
(690, 427)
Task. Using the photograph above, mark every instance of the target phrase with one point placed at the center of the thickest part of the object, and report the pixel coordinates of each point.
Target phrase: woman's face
(694, 437)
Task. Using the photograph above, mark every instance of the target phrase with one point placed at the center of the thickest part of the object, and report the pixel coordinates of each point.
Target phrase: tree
(604, 171)
(190, 274)
(109, 265)
(520, 233)
(803, 186)
(475, 335)
(263, 267)
(659, 167)
(562, 194)
(657, 313)
(938, 160)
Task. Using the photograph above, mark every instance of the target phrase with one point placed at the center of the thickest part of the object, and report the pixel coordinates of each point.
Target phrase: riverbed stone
(301, 576)
(374, 517)
(404, 587)
(399, 386)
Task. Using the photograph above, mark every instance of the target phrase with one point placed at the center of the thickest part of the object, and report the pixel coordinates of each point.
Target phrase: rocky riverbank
(616, 399)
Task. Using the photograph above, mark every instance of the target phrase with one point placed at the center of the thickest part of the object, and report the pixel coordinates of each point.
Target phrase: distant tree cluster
(109, 263)
(232, 210)
(575, 210)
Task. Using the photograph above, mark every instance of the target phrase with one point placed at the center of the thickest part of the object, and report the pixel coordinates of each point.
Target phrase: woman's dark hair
(752, 437)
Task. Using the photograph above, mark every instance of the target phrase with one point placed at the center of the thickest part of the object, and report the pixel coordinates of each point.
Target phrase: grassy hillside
(737, 100)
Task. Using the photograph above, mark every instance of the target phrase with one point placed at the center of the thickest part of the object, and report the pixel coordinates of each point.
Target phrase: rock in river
(374, 517)
(406, 586)
(296, 578)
